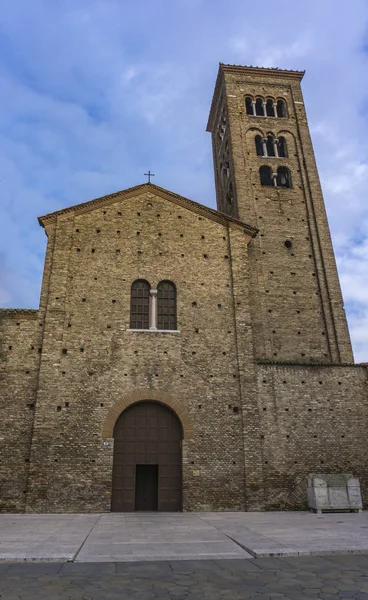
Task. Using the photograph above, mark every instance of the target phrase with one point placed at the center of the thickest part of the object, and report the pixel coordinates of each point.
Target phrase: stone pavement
(299, 578)
(116, 537)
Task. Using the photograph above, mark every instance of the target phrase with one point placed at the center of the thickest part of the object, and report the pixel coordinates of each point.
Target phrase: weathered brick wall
(297, 307)
(313, 419)
(20, 347)
(90, 360)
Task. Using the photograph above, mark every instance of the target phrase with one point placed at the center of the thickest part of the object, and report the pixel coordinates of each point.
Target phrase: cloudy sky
(95, 92)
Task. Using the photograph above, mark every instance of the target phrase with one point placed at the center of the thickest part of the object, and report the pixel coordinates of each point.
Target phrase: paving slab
(132, 537)
(43, 537)
(294, 533)
(156, 536)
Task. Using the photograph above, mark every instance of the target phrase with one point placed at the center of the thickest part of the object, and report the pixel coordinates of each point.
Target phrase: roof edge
(191, 204)
(19, 312)
(254, 70)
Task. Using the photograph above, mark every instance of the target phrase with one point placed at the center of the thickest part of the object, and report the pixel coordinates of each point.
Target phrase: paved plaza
(120, 537)
(298, 578)
(191, 556)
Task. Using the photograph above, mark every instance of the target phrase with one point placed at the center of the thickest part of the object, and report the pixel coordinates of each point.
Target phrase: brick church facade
(185, 358)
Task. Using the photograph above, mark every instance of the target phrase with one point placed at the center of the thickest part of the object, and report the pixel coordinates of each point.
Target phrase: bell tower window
(283, 178)
(270, 111)
(281, 147)
(281, 108)
(259, 145)
(266, 176)
(270, 145)
(249, 106)
(260, 107)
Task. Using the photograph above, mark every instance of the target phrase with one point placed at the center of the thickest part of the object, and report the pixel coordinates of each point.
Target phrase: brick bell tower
(266, 175)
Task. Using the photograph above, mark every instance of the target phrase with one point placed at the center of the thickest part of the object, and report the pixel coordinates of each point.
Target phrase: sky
(96, 92)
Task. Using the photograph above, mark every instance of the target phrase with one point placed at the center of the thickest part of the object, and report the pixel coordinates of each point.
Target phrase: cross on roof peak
(149, 175)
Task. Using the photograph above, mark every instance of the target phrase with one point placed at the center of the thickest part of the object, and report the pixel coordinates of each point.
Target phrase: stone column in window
(264, 109)
(264, 146)
(276, 146)
(275, 109)
(274, 179)
(153, 309)
(254, 107)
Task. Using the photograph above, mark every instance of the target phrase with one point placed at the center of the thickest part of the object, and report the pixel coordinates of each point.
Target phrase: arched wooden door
(147, 459)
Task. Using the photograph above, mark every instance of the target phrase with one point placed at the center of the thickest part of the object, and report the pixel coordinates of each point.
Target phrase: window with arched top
(266, 175)
(259, 107)
(226, 169)
(270, 145)
(249, 105)
(139, 304)
(283, 178)
(259, 145)
(230, 206)
(166, 305)
(281, 147)
(270, 111)
(281, 108)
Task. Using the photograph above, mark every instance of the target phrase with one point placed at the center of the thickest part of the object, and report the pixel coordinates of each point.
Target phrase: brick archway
(147, 394)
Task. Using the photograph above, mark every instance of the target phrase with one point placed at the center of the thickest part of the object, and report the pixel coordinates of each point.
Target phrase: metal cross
(149, 175)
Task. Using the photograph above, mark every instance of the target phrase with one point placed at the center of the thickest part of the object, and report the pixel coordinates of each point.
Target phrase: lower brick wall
(313, 419)
(19, 361)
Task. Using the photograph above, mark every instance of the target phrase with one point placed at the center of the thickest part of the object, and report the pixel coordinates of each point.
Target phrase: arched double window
(270, 146)
(139, 304)
(260, 107)
(281, 178)
(166, 305)
(153, 309)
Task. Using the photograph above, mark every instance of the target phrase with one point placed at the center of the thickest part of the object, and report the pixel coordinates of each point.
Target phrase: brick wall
(313, 419)
(19, 359)
(91, 360)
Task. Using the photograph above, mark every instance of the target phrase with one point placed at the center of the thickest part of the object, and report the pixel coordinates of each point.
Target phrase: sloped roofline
(247, 70)
(210, 213)
(19, 313)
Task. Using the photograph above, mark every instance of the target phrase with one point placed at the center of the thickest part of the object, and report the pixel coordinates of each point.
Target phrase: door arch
(147, 459)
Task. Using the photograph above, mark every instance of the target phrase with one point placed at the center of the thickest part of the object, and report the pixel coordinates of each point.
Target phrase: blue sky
(95, 92)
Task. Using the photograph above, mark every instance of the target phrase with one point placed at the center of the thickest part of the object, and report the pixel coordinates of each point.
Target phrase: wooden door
(147, 434)
(146, 487)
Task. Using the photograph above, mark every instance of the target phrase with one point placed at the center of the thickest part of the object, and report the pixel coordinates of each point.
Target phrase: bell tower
(266, 175)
